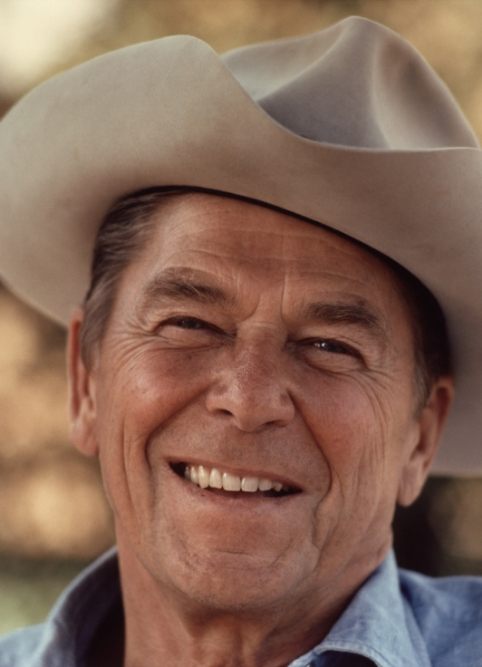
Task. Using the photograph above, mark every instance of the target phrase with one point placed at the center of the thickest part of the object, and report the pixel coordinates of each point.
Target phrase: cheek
(359, 426)
(141, 391)
(133, 400)
(356, 427)
(153, 386)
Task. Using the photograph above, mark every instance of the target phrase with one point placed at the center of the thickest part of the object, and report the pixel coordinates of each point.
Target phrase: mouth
(218, 480)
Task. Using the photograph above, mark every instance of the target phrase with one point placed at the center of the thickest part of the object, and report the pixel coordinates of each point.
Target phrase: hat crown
(391, 99)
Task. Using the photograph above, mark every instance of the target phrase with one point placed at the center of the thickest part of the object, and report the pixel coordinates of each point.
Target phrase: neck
(164, 627)
(168, 630)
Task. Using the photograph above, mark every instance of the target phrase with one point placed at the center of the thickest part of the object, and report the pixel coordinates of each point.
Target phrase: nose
(252, 390)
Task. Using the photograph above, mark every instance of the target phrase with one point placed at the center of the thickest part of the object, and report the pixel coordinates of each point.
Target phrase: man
(255, 364)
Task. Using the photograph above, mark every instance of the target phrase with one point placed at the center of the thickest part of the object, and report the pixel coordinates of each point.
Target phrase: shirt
(396, 619)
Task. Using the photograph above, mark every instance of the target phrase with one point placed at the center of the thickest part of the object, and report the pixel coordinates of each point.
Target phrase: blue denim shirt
(396, 619)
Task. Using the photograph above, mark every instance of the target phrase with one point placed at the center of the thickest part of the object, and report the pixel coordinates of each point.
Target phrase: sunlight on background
(54, 515)
(36, 34)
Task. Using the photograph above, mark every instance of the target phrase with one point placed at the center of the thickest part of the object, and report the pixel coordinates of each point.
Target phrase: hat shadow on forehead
(349, 127)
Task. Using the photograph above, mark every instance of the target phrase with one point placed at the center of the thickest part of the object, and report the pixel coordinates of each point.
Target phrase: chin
(232, 582)
(223, 597)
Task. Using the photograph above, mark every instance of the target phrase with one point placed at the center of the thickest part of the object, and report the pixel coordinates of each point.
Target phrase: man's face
(276, 353)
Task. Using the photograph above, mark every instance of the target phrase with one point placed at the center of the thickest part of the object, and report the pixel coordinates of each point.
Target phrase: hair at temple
(127, 226)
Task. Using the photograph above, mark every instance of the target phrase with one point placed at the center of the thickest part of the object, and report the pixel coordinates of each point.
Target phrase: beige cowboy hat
(349, 127)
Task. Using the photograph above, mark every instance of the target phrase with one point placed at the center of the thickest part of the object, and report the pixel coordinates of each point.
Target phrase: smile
(216, 479)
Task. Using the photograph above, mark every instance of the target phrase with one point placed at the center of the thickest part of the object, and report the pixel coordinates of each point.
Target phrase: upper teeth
(216, 479)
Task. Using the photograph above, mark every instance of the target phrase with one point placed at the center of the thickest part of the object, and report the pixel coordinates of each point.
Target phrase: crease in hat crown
(378, 102)
(348, 126)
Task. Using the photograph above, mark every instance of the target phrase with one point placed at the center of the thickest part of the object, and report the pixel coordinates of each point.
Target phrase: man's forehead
(222, 232)
(245, 225)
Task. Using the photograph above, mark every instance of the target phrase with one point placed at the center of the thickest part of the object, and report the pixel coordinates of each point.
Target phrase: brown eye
(334, 347)
(187, 330)
(191, 323)
(332, 354)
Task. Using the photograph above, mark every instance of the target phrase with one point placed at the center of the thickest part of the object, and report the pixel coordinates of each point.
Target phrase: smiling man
(254, 363)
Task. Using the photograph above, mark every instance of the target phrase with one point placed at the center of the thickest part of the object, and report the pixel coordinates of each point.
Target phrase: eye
(191, 323)
(335, 347)
(332, 354)
(188, 331)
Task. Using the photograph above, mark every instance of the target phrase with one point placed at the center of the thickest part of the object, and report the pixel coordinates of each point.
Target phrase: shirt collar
(78, 613)
(377, 624)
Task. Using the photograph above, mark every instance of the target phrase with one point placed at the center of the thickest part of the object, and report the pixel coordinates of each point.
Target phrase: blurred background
(54, 517)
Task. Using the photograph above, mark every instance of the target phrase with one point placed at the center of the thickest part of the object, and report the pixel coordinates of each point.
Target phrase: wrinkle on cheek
(395, 421)
(113, 462)
(144, 362)
(357, 459)
(322, 524)
(122, 456)
(124, 351)
(126, 474)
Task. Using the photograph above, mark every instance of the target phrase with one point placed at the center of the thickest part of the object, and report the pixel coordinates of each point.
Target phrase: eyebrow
(181, 284)
(357, 314)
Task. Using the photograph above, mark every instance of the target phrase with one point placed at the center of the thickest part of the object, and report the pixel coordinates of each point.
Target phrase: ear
(81, 392)
(429, 428)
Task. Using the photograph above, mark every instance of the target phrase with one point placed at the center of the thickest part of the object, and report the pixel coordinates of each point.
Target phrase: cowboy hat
(349, 127)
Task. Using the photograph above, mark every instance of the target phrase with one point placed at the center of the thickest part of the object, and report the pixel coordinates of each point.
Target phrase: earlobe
(429, 428)
(81, 392)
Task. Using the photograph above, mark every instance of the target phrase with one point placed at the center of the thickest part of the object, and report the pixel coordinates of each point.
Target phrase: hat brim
(79, 142)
